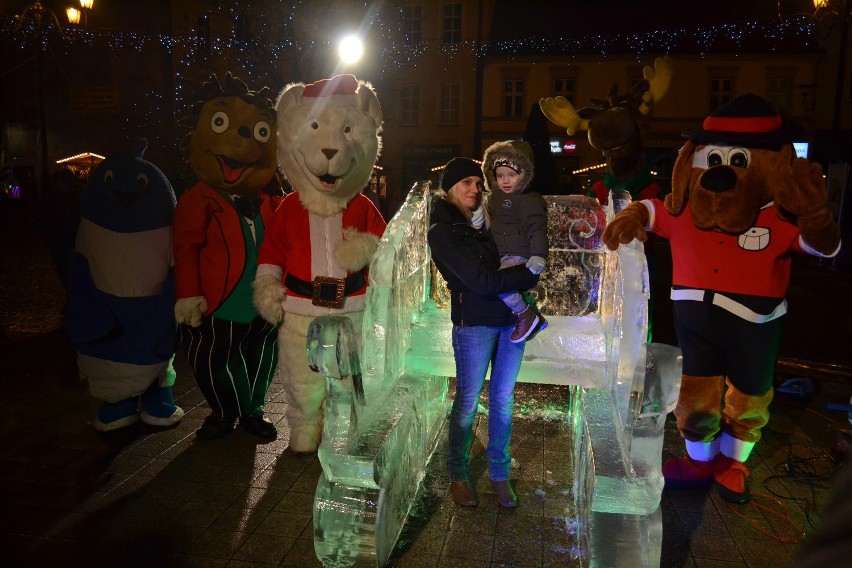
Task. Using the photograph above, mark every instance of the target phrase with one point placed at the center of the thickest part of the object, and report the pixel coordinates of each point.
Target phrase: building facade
(453, 76)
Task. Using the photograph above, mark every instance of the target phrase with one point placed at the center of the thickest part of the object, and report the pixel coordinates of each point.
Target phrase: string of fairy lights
(774, 35)
(246, 39)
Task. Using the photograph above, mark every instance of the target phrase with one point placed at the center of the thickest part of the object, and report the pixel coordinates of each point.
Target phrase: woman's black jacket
(467, 259)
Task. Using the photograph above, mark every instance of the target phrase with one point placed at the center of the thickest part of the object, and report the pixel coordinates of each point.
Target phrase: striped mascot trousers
(233, 363)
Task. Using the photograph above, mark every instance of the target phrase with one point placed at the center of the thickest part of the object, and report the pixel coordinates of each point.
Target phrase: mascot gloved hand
(324, 234)
(219, 226)
(740, 204)
(121, 292)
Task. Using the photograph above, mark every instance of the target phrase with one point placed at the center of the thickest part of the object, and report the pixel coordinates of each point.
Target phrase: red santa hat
(340, 90)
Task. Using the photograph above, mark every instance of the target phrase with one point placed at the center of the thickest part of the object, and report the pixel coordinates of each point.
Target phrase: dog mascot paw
(324, 233)
(741, 202)
(121, 292)
(220, 223)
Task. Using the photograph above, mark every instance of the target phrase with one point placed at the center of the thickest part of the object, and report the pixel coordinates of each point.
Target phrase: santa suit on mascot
(741, 203)
(324, 234)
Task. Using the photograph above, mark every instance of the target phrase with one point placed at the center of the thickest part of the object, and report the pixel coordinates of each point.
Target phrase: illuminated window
(450, 104)
(564, 87)
(452, 23)
(721, 91)
(513, 97)
(780, 85)
(409, 105)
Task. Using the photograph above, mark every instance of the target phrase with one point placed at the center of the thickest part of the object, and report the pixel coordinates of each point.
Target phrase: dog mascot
(741, 202)
(324, 234)
(121, 292)
(219, 226)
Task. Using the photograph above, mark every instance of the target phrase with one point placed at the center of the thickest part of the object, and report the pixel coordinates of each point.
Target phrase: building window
(450, 104)
(452, 23)
(411, 25)
(780, 86)
(721, 90)
(564, 87)
(513, 97)
(409, 105)
(779, 93)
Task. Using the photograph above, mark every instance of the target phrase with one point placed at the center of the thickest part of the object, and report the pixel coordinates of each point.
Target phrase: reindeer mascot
(616, 127)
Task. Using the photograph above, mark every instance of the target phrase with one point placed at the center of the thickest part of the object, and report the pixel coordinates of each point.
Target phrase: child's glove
(536, 264)
(478, 218)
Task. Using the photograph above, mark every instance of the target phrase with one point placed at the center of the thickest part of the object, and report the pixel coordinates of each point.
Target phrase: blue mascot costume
(121, 292)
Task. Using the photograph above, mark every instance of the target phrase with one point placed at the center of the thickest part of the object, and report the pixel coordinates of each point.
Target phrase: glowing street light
(73, 15)
(351, 48)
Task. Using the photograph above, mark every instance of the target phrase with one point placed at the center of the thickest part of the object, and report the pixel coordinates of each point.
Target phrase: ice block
(386, 404)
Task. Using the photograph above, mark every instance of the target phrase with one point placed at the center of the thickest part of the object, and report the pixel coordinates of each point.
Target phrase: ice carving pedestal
(386, 403)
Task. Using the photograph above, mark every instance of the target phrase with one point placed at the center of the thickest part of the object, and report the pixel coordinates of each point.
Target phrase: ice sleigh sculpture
(387, 401)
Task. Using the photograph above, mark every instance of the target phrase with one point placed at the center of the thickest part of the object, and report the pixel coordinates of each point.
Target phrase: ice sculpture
(385, 408)
(382, 417)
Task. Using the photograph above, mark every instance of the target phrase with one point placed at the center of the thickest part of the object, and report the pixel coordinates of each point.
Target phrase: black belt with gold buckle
(326, 291)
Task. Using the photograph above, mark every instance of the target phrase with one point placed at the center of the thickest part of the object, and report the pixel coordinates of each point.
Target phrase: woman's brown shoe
(505, 494)
(462, 494)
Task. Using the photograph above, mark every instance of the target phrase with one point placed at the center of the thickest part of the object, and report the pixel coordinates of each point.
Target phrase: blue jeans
(513, 300)
(475, 348)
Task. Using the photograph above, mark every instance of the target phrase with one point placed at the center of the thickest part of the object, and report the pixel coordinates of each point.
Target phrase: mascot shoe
(687, 473)
(115, 415)
(730, 476)
(159, 408)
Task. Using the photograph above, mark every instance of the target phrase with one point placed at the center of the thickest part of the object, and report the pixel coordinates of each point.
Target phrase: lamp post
(836, 12)
(40, 18)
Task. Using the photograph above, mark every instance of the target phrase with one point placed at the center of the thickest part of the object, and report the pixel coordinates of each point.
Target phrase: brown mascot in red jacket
(741, 202)
(219, 226)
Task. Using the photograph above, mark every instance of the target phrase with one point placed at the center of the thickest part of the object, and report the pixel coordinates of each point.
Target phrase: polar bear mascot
(315, 256)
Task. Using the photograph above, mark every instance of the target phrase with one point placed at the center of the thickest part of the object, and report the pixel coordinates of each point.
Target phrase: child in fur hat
(518, 225)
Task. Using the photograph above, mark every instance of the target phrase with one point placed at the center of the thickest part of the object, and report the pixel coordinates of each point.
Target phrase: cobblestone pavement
(142, 496)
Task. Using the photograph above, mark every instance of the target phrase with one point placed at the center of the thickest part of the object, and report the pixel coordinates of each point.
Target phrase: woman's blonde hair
(451, 197)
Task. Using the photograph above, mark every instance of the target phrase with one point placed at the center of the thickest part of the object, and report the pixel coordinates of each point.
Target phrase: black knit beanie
(456, 170)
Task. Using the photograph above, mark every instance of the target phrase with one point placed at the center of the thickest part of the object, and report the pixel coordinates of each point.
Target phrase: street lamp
(41, 18)
(73, 15)
(351, 48)
(76, 14)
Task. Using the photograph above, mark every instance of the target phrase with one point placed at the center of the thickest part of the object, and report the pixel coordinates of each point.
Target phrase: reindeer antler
(659, 78)
(641, 98)
(562, 113)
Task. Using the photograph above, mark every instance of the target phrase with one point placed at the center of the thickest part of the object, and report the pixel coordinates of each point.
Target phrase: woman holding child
(467, 258)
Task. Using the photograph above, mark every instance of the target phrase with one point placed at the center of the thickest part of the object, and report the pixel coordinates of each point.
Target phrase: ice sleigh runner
(386, 403)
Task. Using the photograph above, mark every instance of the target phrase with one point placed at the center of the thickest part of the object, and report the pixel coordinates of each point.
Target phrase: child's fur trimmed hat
(514, 154)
